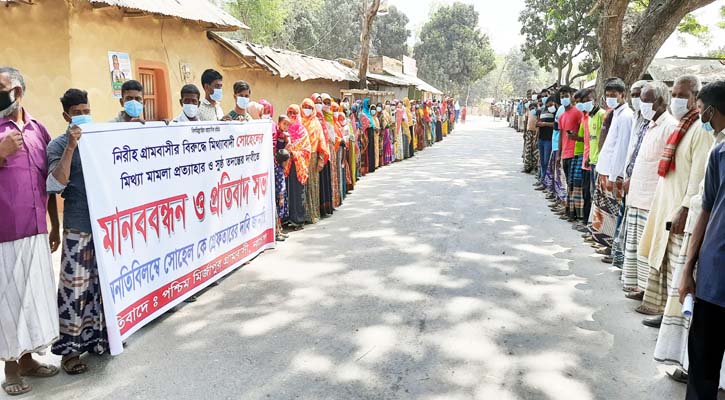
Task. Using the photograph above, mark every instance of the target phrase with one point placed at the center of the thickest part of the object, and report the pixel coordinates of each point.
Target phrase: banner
(173, 209)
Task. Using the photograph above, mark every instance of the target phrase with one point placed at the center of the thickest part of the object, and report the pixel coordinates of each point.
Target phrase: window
(156, 101)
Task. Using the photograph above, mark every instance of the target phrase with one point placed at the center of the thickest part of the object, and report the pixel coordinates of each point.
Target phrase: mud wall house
(279, 76)
(58, 44)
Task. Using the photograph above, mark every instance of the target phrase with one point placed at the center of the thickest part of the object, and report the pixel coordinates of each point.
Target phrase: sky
(499, 19)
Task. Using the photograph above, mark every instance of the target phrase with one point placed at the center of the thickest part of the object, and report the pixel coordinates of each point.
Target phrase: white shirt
(643, 183)
(613, 157)
(183, 118)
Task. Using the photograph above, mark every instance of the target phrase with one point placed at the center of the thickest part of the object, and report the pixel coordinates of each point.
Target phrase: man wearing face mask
(611, 166)
(80, 305)
(707, 330)
(29, 314)
(681, 168)
(132, 103)
(641, 181)
(210, 108)
(189, 102)
(242, 91)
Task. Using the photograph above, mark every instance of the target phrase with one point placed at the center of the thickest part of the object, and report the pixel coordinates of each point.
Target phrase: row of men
(644, 181)
(36, 314)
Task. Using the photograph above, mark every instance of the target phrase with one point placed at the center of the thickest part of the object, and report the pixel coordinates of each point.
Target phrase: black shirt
(546, 132)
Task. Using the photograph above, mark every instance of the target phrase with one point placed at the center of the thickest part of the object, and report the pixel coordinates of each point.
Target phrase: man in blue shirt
(707, 249)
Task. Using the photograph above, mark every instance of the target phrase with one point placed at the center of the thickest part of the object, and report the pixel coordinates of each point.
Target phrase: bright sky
(499, 19)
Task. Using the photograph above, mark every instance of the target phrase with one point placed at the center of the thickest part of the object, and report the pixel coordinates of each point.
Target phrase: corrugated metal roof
(414, 81)
(285, 63)
(193, 10)
(669, 69)
(389, 79)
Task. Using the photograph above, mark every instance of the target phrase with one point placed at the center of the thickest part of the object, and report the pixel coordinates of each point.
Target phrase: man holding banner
(82, 325)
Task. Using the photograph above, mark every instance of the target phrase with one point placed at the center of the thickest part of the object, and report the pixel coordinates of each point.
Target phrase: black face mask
(6, 99)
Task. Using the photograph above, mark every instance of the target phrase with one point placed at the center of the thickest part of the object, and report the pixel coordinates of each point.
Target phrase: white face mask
(326, 108)
(679, 107)
(242, 102)
(612, 102)
(266, 116)
(335, 114)
(307, 112)
(552, 109)
(190, 110)
(318, 107)
(533, 97)
(636, 102)
(647, 110)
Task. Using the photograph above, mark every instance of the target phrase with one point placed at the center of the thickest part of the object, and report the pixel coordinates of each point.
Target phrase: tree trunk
(369, 14)
(628, 47)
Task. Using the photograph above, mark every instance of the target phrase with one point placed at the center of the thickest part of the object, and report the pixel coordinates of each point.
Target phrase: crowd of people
(640, 172)
(322, 148)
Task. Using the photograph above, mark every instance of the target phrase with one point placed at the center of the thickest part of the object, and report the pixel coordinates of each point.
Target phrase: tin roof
(669, 69)
(285, 63)
(192, 10)
(414, 81)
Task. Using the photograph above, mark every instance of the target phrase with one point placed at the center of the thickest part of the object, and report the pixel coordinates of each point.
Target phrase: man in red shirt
(569, 123)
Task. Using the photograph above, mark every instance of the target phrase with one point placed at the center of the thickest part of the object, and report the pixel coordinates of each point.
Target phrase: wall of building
(65, 43)
(35, 41)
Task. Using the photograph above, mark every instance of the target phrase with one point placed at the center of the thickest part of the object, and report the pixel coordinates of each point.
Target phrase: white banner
(173, 209)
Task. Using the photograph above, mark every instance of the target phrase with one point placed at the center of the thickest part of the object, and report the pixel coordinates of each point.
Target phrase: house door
(150, 102)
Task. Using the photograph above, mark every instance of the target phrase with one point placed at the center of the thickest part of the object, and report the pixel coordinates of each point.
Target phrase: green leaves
(452, 52)
(690, 26)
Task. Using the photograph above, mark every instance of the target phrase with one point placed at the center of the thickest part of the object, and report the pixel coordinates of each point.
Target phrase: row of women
(627, 167)
(324, 146)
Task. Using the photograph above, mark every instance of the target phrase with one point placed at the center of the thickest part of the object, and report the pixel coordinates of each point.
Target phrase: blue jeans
(544, 156)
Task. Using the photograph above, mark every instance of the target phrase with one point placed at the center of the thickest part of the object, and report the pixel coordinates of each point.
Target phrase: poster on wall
(120, 67)
(173, 209)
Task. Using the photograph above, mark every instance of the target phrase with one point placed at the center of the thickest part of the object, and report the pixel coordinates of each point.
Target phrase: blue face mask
(565, 101)
(533, 112)
(580, 106)
(217, 95)
(133, 108)
(588, 106)
(707, 125)
(243, 102)
(543, 101)
(81, 119)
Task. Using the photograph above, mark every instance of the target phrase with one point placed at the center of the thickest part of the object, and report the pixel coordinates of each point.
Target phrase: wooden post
(368, 15)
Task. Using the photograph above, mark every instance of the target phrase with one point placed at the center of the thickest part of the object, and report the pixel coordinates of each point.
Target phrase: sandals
(646, 311)
(678, 376)
(635, 295)
(41, 371)
(16, 388)
(77, 367)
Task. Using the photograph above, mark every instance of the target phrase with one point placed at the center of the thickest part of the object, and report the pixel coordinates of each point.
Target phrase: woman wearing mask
(439, 122)
(388, 152)
(340, 149)
(377, 116)
(329, 193)
(401, 133)
(420, 127)
(410, 124)
(320, 155)
(369, 111)
(298, 169)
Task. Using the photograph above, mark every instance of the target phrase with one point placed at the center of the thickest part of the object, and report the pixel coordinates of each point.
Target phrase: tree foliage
(560, 36)
(390, 35)
(321, 28)
(452, 52)
(634, 31)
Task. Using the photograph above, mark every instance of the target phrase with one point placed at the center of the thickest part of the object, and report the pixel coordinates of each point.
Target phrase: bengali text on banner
(174, 208)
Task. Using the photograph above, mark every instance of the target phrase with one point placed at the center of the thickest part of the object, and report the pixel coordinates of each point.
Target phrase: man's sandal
(41, 371)
(16, 388)
(74, 366)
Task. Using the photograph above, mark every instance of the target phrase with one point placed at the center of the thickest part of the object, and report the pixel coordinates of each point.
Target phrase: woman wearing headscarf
(298, 170)
(329, 192)
(401, 132)
(254, 110)
(368, 128)
(409, 125)
(428, 122)
(377, 114)
(439, 122)
(319, 157)
(353, 149)
(340, 149)
(444, 118)
(386, 121)
(420, 126)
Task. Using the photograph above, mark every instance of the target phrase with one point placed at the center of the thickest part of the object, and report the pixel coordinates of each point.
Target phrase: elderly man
(28, 311)
(707, 332)
(641, 182)
(639, 127)
(681, 168)
(611, 166)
